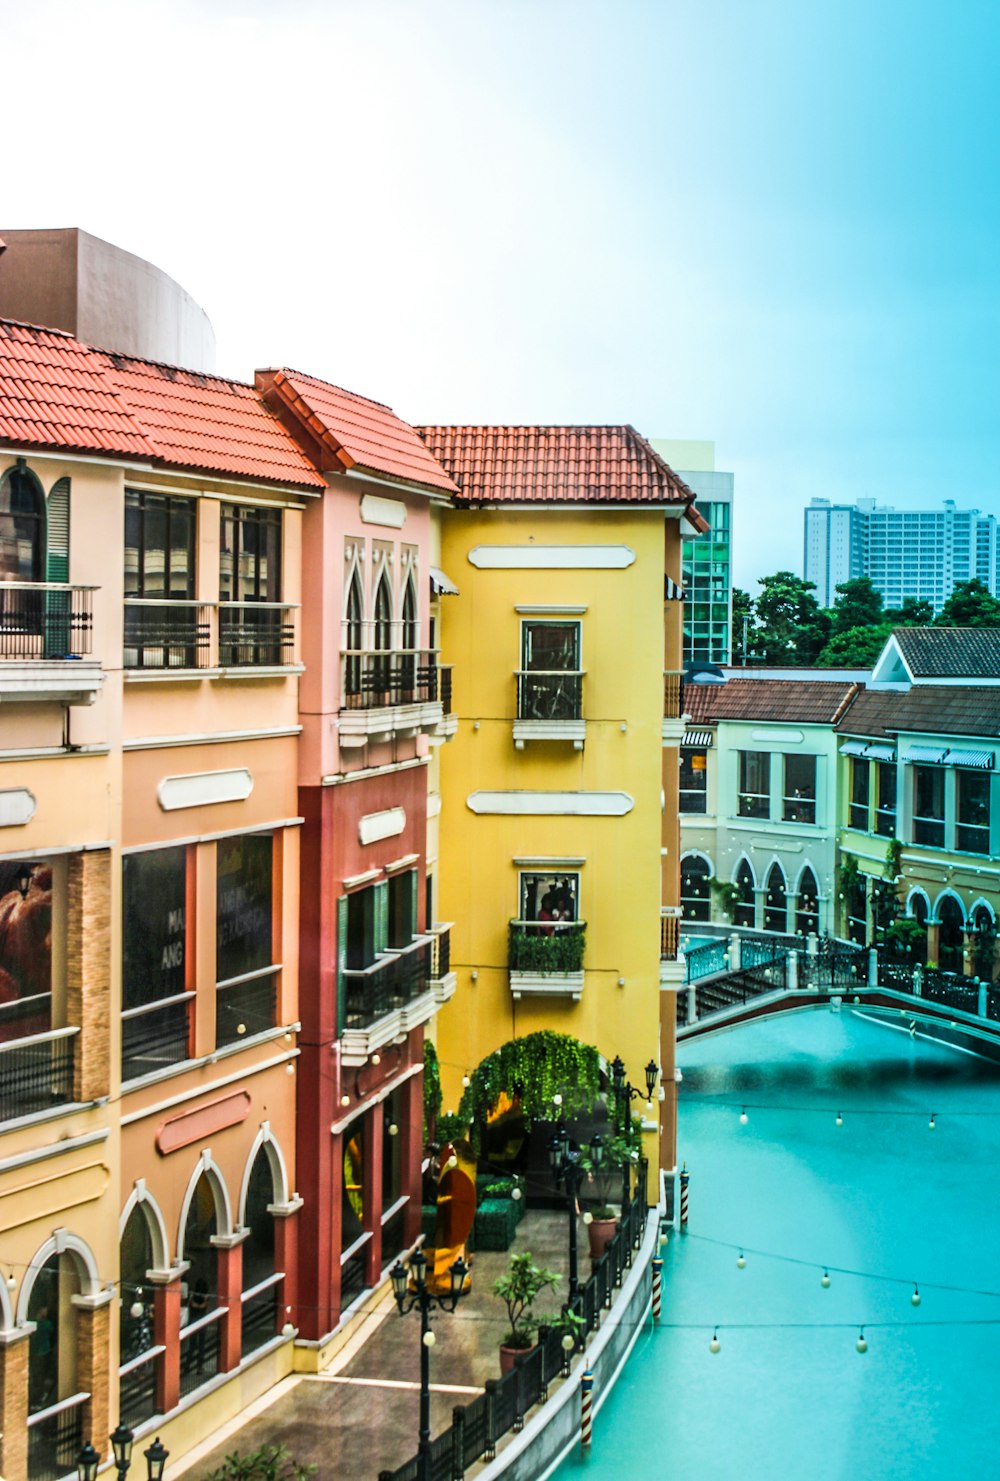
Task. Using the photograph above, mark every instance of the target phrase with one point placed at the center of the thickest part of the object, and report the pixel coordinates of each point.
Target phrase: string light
(932, 1123)
(839, 1121)
(744, 1118)
(915, 1298)
(715, 1345)
(861, 1345)
(741, 1261)
(824, 1280)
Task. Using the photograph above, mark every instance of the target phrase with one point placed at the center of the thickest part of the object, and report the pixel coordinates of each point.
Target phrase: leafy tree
(858, 604)
(914, 612)
(791, 627)
(270, 1463)
(743, 619)
(857, 648)
(970, 605)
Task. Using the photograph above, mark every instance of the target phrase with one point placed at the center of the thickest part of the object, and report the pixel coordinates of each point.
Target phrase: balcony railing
(545, 946)
(245, 1005)
(45, 619)
(259, 1323)
(255, 634)
(673, 695)
(444, 687)
(549, 694)
(36, 1073)
(167, 634)
(137, 1388)
(155, 1037)
(387, 677)
(440, 964)
(670, 932)
(390, 982)
(55, 1438)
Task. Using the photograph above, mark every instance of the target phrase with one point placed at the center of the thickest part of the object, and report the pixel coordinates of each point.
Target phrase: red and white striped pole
(586, 1400)
(657, 1283)
(685, 1179)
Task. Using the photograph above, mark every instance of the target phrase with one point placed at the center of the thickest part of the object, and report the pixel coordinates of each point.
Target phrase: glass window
(973, 812)
(694, 780)
(25, 959)
(392, 1158)
(352, 1199)
(807, 912)
(246, 976)
(260, 1278)
(402, 907)
(250, 554)
(159, 546)
(860, 790)
(361, 929)
(755, 784)
(928, 806)
(800, 789)
(22, 527)
(744, 912)
(154, 961)
(776, 901)
(546, 897)
(885, 812)
(549, 684)
(696, 903)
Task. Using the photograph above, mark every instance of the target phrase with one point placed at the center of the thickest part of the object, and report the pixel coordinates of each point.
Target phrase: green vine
(893, 860)
(432, 1089)
(849, 877)
(534, 1069)
(727, 895)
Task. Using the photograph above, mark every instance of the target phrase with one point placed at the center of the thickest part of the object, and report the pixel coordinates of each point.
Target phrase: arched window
(856, 904)
(22, 526)
(918, 908)
(54, 1439)
(382, 668)
(696, 901)
(138, 1361)
(355, 639)
(983, 927)
(261, 1282)
(951, 935)
(743, 914)
(200, 1310)
(411, 639)
(807, 913)
(776, 901)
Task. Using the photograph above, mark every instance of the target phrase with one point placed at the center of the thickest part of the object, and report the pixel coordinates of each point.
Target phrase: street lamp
(426, 1300)
(625, 1094)
(88, 1461)
(568, 1172)
(121, 1444)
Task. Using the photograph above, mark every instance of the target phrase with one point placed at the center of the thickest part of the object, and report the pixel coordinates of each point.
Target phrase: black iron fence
(245, 1006)
(555, 694)
(45, 619)
(389, 676)
(475, 1428)
(137, 1388)
(36, 1073)
(167, 635)
(393, 980)
(443, 672)
(255, 634)
(154, 1037)
(440, 953)
(55, 1438)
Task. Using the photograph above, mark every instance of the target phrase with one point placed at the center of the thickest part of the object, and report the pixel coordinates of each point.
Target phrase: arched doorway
(744, 911)
(695, 890)
(261, 1279)
(137, 1370)
(200, 1309)
(951, 942)
(983, 930)
(856, 903)
(807, 910)
(55, 1427)
(776, 900)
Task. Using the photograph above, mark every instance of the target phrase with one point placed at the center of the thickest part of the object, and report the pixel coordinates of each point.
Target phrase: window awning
(981, 760)
(853, 748)
(880, 753)
(671, 591)
(700, 738)
(933, 754)
(441, 584)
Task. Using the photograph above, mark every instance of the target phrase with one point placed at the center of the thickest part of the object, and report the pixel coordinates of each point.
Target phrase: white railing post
(872, 967)
(792, 974)
(735, 952)
(692, 1015)
(981, 1008)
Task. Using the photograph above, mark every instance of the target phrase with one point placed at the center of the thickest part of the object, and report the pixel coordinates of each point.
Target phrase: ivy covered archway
(532, 1071)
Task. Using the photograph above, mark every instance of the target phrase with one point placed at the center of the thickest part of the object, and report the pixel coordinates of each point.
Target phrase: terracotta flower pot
(600, 1232)
(510, 1355)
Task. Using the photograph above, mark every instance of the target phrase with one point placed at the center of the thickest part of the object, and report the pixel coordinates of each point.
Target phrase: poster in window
(25, 948)
(154, 901)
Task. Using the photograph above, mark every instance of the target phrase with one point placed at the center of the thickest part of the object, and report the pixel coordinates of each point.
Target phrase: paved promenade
(361, 1415)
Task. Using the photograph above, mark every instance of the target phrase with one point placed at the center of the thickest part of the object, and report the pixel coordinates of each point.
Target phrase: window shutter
(57, 533)
(414, 902)
(341, 963)
(381, 915)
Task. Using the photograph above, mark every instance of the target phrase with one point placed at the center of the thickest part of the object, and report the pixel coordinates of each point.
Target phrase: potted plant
(520, 1285)
(601, 1223)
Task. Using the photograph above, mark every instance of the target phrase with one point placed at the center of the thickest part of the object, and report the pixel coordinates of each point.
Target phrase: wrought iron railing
(55, 1438)
(259, 1314)
(440, 962)
(443, 672)
(702, 961)
(390, 982)
(673, 695)
(200, 1343)
(167, 634)
(670, 932)
(45, 619)
(155, 1037)
(256, 634)
(549, 694)
(246, 1005)
(137, 1388)
(546, 946)
(36, 1072)
(392, 676)
(502, 1407)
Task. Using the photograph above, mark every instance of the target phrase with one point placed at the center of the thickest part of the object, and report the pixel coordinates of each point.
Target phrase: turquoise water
(883, 1194)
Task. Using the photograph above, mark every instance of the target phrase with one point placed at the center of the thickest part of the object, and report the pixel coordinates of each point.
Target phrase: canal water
(883, 1194)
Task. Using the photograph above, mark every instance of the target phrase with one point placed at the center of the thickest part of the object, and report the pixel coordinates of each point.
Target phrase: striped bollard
(586, 1399)
(685, 1179)
(657, 1283)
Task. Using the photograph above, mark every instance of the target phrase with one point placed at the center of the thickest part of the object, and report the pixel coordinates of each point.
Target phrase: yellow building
(558, 796)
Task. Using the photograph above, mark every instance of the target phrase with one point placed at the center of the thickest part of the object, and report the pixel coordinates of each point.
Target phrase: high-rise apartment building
(920, 553)
(707, 566)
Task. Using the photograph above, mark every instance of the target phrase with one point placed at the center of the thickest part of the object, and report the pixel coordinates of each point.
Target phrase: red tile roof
(799, 701)
(357, 432)
(55, 393)
(551, 465)
(58, 393)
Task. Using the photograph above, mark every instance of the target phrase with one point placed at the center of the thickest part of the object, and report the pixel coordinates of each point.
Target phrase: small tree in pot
(520, 1285)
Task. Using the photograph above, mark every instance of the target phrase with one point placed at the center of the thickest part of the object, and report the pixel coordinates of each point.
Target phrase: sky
(770, 223)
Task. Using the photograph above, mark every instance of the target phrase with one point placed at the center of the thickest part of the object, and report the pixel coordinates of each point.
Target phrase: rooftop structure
(707, 566)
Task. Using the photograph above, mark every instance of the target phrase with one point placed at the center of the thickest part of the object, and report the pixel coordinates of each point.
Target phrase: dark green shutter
(381, 916)
(414, 901)
(57, 532)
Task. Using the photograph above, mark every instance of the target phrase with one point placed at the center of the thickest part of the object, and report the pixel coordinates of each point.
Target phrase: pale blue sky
(768, 222)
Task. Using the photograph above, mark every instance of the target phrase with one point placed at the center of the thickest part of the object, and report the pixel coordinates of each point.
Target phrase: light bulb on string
(715, 1345)
(932, 1123)
(741, 1261)
(839, 1121)
(861, 1345)
(824, 1280)
(915, 1298)
(466, 1082)
(744, 1118)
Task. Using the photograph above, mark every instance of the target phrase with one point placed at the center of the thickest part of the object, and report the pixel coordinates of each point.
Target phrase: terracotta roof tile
(550, 465)
(358, 432)
(799, 701)
(926, 709)
(950, 652)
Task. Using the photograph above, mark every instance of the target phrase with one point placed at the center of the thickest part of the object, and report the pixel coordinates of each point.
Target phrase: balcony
(46, 627)
(256, 635)
(245, 1006)
(442, 979)
(389, 692)
(202, 639)
(549, 706)
(448, 724)
(165, 635)
(36, 1073)
(545, 958)
(671, 960)
(386, 1000)
(673, 707)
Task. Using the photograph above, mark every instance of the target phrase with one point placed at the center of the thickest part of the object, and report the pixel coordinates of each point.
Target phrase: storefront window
(154, 968)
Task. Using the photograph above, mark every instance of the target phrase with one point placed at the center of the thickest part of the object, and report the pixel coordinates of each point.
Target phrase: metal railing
(440, 962)
(256, 634)
(166, 634)
(155, 1037)
(372, 680)
(444, 687)
(501, 1408)
(673, 694)
(55, 1438)
(670, 932)
(549, 694)
(137, 1388)
(259, 1314)
(199, 1357)
(546, 946)
(702, 961)
(246, 1005)
(45, 619)
(390, 982)
(36, 1072)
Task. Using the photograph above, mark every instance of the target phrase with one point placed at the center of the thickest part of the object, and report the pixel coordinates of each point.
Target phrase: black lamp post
(569, 1173)
(121, 1445)
(425, 1299)
(88, 1461)
(625, 1094)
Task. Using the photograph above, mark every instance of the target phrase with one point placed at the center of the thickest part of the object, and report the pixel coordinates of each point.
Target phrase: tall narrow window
(693, 780)
(973, 811)
(550, 684)
(411, 639)
(860, 793)
(261, 1279)
(162, 629)
(246, 973)
(402, 908)
(200, 1309)
(928, 806)
(807, 911)
(695, 891)
(252, 626)
(138, 1355)
(382, 667)
(54, 1440)
(800, 789)
(776, 901)
(155, 995)
(755, 784)
(22, 527)
(744, 912)
(951, 934)
(355, 635)
(885, 810)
